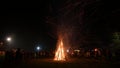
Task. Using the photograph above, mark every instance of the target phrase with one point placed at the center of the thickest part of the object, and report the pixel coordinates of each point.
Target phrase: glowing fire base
(60, 55)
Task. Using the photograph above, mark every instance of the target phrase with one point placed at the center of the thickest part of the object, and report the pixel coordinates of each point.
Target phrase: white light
(8, 39)
(38, 48)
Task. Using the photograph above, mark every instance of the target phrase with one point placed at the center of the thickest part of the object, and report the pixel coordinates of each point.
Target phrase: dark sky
(25, 21)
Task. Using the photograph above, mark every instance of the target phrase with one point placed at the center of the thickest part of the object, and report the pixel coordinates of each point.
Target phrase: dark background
(25, 21)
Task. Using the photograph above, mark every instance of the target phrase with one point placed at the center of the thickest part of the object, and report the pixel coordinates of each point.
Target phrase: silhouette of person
(18, 54)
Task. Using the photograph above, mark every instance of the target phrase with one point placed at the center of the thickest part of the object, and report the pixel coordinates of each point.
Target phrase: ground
(71, 63)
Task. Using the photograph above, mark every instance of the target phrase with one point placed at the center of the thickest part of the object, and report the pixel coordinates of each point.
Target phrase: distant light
(77, 50)
(96, 49)
(38, 48)
(67, 50)
(9, 39)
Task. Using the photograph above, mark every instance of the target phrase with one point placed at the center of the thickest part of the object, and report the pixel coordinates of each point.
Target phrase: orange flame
(60, 55)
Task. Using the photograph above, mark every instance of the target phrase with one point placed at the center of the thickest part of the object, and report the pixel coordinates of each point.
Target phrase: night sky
(32, 23)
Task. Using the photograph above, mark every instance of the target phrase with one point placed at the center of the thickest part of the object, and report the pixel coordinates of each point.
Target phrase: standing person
(18, 54)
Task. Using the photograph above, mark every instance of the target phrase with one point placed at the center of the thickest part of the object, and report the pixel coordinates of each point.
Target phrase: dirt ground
(50, 63)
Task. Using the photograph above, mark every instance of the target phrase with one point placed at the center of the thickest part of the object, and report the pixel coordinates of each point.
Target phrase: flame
(60, 55)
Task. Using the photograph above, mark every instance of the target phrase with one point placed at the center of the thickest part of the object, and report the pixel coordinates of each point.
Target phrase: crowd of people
(14, 55)
(19, 54)
(96, 53)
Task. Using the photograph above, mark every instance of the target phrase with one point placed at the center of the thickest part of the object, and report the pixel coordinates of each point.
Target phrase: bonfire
(59, 54)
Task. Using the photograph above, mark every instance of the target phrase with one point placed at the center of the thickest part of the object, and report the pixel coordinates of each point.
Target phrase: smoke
(66, 18)
(65, 32)
(69, 23)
